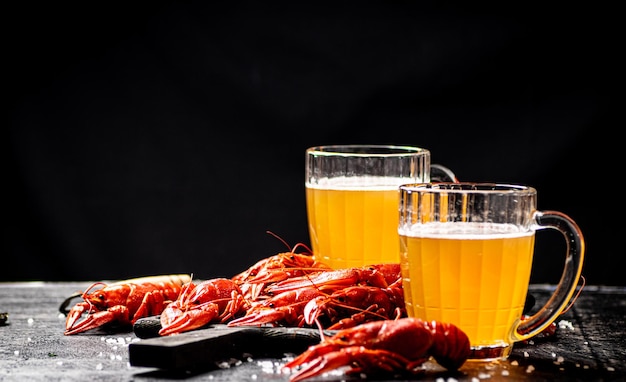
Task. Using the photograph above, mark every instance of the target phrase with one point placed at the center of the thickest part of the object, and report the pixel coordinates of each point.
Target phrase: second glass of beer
(352, 200)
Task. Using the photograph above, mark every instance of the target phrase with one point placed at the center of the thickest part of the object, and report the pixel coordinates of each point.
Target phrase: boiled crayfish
(122, 302)
(214, 300)
(334, 299)
(378, 275)
(355, 305)
(273, 269)
(387, 346)
(284, 309)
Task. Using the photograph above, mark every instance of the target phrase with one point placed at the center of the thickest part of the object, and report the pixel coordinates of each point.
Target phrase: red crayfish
(387, 346)
(355, 305)
(330, 299)
(284, 309)
(273, 269)
(122, 302)
(215, 300)
(379, 275)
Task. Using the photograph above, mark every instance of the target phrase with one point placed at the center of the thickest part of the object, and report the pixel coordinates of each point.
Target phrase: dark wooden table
(590, 345)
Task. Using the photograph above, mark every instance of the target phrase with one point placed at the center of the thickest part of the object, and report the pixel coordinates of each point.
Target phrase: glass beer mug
(466, 258)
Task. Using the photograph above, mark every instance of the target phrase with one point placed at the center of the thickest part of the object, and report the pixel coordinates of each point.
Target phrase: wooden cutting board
(205, 348)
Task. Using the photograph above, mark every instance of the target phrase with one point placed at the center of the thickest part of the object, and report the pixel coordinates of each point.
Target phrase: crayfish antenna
(320, 327)
(292, 250)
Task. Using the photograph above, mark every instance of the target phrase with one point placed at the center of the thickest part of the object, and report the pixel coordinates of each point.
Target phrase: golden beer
(353, 225)
(476, 278)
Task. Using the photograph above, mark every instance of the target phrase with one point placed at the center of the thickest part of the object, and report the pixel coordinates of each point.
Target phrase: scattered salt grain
(553, 355)
(530, 369)
(564, 324)
(505, 373)
(99, 366)
(61, 316)
(560, 360)
(609, 368)
(29, 339)
(514, 363)
(30, 321)
(474, 379)
(59, 363)
(266, 365)
(526, 355)
(484, 375)
(17, 352)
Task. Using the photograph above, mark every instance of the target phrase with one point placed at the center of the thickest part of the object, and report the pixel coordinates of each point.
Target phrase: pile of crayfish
(287, 289)
(365, 305)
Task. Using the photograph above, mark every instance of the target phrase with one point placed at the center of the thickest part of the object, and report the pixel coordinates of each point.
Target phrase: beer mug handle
(566, 287)
(439, 173)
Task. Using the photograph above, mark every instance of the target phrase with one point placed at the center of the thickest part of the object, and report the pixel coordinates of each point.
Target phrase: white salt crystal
(564, 324)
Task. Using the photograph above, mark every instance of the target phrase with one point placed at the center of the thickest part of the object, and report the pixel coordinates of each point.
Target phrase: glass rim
(356, 150)
(469, 187)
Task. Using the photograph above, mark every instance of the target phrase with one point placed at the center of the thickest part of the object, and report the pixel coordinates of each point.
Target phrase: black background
(170, 138)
